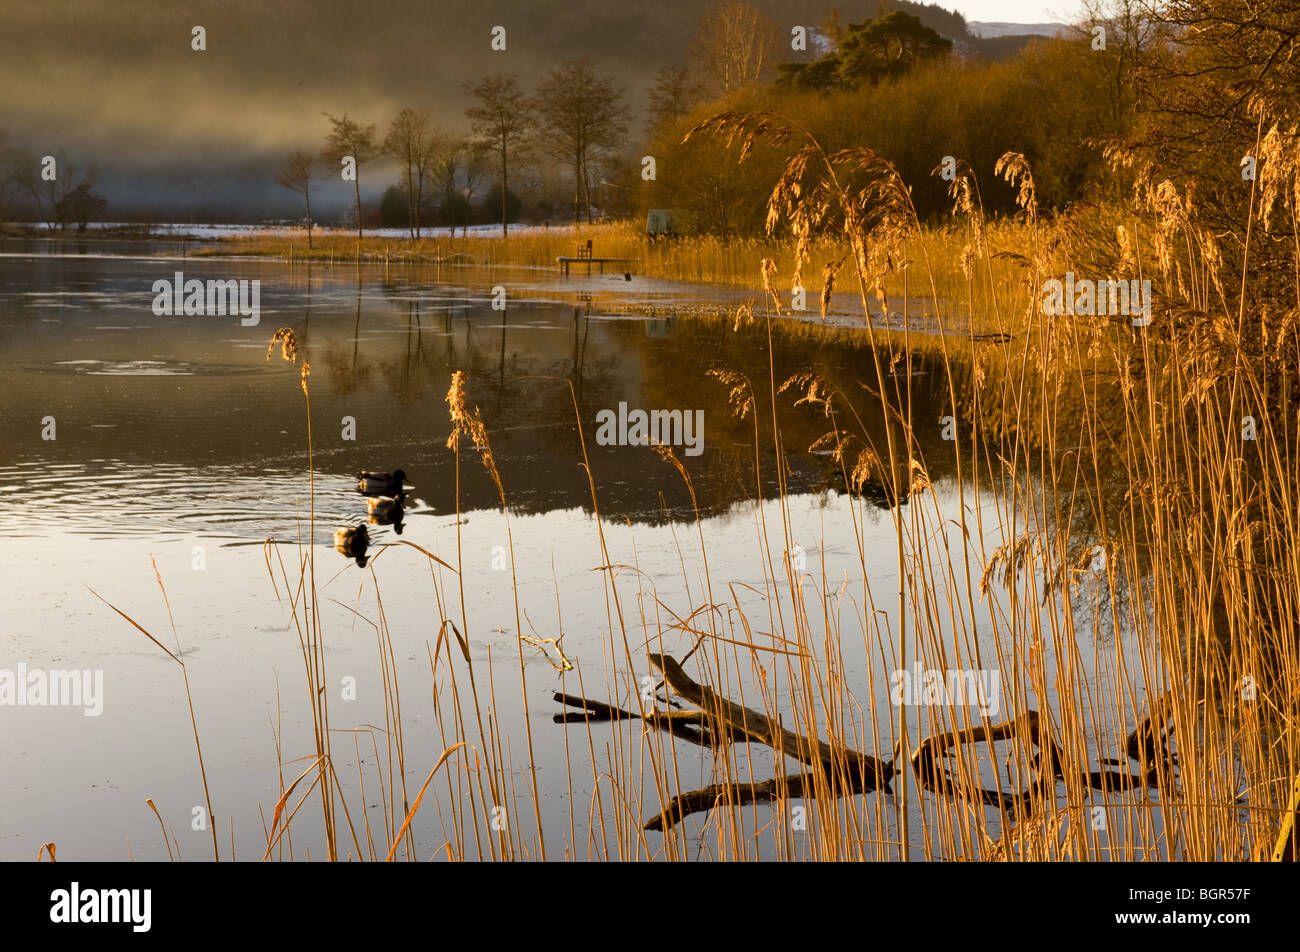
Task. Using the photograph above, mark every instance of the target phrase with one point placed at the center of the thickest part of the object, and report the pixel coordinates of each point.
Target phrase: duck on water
(381, 484)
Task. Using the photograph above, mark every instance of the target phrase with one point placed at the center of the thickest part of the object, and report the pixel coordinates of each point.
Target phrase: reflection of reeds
(310, 634)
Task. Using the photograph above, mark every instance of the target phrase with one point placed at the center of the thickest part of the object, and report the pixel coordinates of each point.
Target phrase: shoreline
(628, 294)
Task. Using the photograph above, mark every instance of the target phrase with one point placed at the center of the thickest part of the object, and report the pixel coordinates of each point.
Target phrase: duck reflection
(387, 511)
(353, 543)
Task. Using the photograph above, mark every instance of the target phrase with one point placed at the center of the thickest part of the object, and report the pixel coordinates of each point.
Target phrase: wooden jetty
(584, 256)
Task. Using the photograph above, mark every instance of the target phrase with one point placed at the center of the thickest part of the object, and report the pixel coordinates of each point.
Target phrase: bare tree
(296, 176)
(581, 121)
(475, 165)
(80, 207)
(502, 118)
(414, 143)
(10, 188)
(672, 96)
(10, 162)
(350, 138)
(734, 47)
(1129, 32)
(457, 172)
(50, 193)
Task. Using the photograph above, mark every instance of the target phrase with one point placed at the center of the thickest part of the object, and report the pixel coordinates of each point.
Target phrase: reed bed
(1113, 545)
(724, 261)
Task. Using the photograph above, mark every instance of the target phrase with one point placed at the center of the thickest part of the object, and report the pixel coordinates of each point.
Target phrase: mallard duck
(381, 484)
(353, 542)
(385, 510)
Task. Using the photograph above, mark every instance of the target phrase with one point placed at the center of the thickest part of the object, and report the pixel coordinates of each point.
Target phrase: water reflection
(202, 399)
(386, 511)
(147, 459)
(353, 543)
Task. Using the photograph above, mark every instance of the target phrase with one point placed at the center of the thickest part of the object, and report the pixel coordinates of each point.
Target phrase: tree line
(1133, 89)
(62, 191)
(889, 82)
(575, 118)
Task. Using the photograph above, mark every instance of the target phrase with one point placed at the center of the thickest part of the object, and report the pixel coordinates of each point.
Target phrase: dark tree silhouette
(869, 51)
(581, 121)
(296, 176)
(348, 137)
(80, 207)
(502, 119)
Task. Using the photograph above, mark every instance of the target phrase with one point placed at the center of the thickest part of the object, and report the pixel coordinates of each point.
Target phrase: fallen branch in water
(691, 726)
(853, 772)
(760, 728)
(844, 772)
(592, 710)
(730, 794)
(1027, 728)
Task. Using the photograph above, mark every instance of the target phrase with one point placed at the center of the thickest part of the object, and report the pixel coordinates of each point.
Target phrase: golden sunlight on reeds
(1107, 492)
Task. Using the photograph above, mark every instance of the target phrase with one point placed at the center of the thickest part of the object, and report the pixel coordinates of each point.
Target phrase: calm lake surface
(178, 443)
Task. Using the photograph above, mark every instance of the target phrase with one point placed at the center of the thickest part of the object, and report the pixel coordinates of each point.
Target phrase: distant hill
(981, 40)
(985, 30)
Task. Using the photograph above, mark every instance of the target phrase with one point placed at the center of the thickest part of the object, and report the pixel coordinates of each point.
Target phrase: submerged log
(730, 794)
(688, 725)
(1149, 742)
(857, 772)
(865, 772)
(845, 772)
(935, 778)
(1027, 728)
(592, 710)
